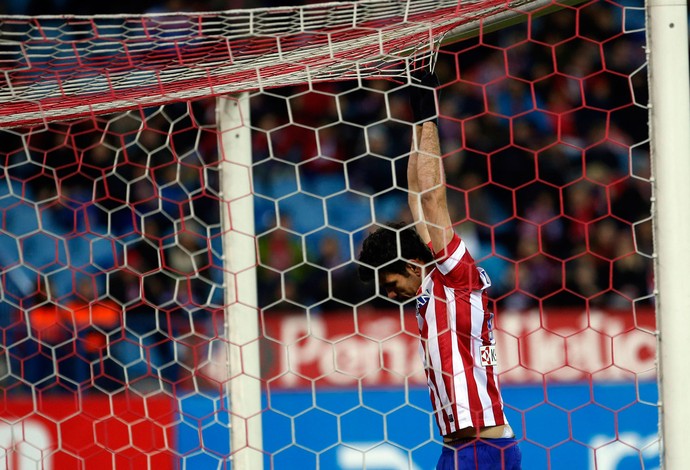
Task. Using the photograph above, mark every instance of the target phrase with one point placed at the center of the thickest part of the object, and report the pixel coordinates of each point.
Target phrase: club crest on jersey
(488, 355)
(422, 300)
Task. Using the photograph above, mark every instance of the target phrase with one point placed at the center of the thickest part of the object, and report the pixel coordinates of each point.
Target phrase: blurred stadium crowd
(546, 158)
(547, 162)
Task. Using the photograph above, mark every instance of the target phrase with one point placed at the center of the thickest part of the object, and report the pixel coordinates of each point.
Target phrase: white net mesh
(115, 278)
(64, 67)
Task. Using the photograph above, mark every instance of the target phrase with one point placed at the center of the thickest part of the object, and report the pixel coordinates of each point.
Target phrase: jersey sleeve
(458, 268)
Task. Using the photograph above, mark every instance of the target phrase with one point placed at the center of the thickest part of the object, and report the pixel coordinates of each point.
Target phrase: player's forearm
(430, 177)
(414, 202)
(427, 176)
(412, 182)
(413, 194)
(431, 185)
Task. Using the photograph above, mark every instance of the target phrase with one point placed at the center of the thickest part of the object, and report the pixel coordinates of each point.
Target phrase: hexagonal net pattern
(112, 289)
(60, 67)
(115, 272)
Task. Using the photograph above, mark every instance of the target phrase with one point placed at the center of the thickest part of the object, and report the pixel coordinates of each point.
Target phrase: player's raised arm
(413, 196)
(426, 176)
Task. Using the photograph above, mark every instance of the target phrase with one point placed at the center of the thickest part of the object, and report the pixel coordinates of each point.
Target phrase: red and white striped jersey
(457, 343)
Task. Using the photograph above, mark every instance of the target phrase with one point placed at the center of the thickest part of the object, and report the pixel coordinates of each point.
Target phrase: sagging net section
(113, 351)
(70, 66)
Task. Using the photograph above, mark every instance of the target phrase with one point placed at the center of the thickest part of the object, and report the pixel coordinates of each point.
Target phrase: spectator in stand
(48, 354)
(66, 337)
(97, 321)
(553, 127)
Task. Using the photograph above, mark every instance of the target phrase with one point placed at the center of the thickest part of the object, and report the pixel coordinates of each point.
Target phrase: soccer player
(431, 263)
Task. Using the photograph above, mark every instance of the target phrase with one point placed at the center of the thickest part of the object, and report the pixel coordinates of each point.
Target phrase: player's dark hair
(381, 250)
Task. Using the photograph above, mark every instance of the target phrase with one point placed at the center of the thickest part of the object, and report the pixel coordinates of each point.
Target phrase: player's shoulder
(452, 256)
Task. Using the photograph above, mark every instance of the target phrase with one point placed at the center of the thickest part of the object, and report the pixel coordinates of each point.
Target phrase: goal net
(184, 196)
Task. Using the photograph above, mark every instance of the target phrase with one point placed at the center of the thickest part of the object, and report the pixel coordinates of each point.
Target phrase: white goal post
(239, 254)
(669, 83)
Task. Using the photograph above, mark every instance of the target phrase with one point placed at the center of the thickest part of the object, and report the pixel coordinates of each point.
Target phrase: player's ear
(415, 267)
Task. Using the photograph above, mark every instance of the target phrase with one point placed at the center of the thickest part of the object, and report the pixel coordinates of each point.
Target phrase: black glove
(421, 95)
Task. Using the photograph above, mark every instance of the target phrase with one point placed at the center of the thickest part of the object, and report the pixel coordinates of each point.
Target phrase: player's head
(396, 254)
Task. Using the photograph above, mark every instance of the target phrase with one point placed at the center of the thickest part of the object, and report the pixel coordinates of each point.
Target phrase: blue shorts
(481, 454)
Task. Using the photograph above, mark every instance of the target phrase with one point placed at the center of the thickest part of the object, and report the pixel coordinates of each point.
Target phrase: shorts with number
(481, 454)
